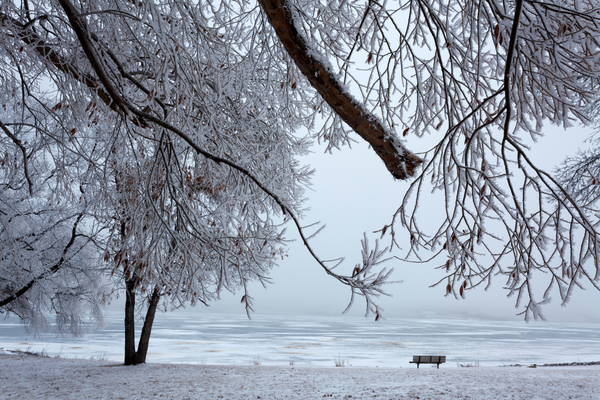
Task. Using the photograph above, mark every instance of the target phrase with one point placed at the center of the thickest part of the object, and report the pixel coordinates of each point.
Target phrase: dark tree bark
(399, 161)
(140, 356)
(133, 357)
(130, 322)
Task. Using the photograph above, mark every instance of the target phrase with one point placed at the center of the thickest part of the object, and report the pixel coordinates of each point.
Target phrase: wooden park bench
(428, 360)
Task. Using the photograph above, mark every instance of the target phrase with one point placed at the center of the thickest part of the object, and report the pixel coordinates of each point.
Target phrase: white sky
(354, 193)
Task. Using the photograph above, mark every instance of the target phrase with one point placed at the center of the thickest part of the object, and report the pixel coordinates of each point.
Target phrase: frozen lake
(189, 336)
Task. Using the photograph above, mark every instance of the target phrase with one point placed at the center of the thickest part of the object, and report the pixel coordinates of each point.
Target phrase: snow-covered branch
(399, 161)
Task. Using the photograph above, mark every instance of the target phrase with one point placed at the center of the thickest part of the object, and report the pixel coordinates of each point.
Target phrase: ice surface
(188, 336)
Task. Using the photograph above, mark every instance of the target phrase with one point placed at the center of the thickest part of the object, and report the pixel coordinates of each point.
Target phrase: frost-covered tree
(184, 118)
(580, 173)
(49, 267)
(185, 114)
(49, 258)
(477, 78)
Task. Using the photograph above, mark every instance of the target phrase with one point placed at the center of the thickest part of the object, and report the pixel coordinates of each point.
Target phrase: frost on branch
(399, 161)
(179, 122)
(476, 80)
(366, 282)
(49, 264)
(48, 269)
(492, 82)
(182, 120)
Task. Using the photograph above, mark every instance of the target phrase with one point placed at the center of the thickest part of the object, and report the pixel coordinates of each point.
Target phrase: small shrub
(469, 365)
(339, 362)
(28, 352)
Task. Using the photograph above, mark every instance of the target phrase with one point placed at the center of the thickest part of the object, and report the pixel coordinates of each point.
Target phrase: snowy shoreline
(30, 377)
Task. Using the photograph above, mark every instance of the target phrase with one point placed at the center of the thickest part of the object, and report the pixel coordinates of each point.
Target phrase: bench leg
(438, 366)
(417, 365)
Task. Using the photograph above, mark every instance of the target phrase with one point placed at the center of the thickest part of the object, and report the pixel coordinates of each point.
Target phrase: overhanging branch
(401, 163)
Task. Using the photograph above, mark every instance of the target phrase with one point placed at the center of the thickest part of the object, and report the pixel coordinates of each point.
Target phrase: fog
(353, 193)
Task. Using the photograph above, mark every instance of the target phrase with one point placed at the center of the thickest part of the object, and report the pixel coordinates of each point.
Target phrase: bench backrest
(429, 359)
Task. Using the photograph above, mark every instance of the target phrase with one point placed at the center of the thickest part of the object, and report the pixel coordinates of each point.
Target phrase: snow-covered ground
(30, 377)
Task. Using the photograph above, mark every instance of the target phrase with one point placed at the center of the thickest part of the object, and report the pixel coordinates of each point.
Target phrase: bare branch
(23, 151)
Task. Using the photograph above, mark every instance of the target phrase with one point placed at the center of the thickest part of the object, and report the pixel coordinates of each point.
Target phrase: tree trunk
(133, 357)
(130, 354)
(140, 356)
